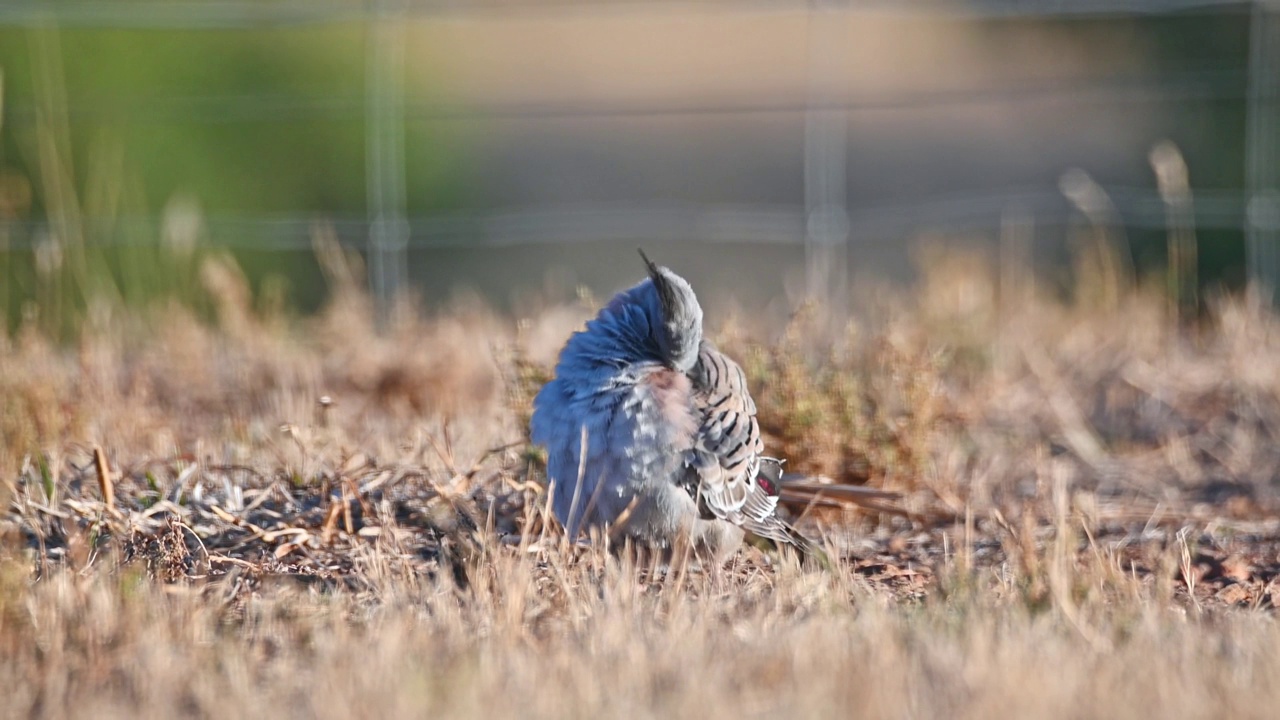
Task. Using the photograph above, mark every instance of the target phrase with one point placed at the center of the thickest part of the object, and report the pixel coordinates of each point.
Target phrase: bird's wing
(726, 459)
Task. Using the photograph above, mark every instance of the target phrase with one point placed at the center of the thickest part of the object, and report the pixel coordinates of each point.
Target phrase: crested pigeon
(651, 431)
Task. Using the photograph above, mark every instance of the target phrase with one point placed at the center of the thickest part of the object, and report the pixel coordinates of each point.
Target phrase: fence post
(1262, 149)
(384, 153)
(826, 140)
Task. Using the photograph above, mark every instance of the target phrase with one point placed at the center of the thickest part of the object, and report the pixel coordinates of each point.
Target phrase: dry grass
(306, 517)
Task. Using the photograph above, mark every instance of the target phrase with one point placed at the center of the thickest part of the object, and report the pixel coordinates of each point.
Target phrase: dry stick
(264, 535)
(447, 457)
(834, 496)
(262, 498)
(208, 561)
(445, 454)
(50, 511)
(220, 559)
(571, 527)
(349, 486)
(812, 503)
(382, 478)
(475, 466)
(623, 518)
(105, 483)
(591, 501)
(330, 523)
(546, 511)
(526, 525)
(346, 510)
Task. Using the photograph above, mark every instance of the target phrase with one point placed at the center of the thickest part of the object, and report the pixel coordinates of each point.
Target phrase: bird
(651, 431)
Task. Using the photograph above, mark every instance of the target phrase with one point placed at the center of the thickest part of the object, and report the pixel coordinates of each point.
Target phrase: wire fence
(824, 223)
(229, 14)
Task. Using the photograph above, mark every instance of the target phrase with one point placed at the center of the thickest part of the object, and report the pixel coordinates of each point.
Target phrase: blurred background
(520, 149)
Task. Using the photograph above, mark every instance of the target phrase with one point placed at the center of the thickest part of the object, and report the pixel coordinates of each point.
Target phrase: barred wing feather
(727, 455)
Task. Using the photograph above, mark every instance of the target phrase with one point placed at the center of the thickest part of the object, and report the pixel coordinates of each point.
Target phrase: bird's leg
(714, 541)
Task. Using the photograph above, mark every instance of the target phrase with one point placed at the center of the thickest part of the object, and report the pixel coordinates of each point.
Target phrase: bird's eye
(768, 485)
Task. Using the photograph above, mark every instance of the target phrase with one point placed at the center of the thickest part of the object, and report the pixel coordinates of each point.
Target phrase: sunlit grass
(312, 516)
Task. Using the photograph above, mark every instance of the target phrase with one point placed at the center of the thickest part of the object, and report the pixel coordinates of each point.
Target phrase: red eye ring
(767, 484)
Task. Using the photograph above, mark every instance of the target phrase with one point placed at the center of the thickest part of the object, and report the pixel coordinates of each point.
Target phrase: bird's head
(679, 330)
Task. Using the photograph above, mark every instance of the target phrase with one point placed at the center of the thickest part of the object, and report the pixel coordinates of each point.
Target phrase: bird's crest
(653, 269)
(681, 316)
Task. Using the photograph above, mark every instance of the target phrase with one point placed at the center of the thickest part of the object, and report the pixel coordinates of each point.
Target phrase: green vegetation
(132, 144)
